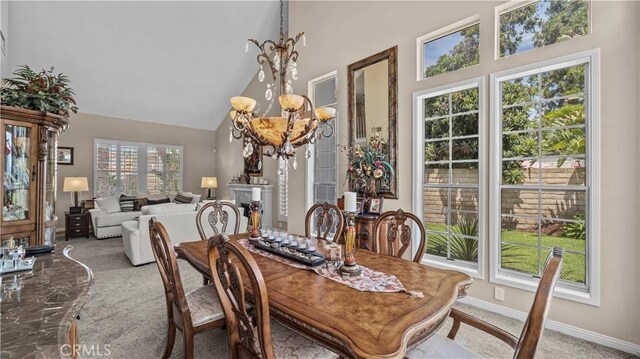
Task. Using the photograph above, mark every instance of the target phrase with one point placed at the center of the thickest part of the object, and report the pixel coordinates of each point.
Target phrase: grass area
(522, 258)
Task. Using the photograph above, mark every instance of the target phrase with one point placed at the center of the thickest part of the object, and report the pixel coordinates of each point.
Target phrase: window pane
(519, 258)
(436, 151)
(542, 23)
(464, 125)
(463, 248)
(451, 52)
(436, 199)
(436, 106)
(562, 171)
(569, 205)
(574, 268)
(522, 144)
(563, 82)
(464, 199)
(520, 90)
(519, 202)
(464, 172)
(464, 101)
(436, 128)
(436, 220)
(464, 149)
(325, 92)
(518, 118)
(436, 173)
(563, 112)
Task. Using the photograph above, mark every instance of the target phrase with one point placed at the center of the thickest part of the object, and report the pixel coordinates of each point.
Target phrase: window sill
(531, 285)
(451, 265)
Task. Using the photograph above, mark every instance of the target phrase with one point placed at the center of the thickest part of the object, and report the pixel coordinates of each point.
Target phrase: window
(449, 173)
(283, 190)
(132, 167)
(543, 194)
(322, 172)
(539, 23)
(449, 49)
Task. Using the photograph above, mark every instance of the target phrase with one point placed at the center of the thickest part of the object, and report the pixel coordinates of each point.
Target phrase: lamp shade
(75, 184)
(209, 182)
(243, 104)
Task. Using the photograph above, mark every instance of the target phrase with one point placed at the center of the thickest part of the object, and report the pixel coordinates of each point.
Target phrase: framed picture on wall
(360, 206)
(253, 163)
(65, 156)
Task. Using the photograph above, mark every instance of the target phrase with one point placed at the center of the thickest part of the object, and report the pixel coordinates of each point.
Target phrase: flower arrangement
(368, 168)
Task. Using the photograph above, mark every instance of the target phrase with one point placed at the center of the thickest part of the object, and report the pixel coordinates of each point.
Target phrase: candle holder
(350, 267)
(255, 208)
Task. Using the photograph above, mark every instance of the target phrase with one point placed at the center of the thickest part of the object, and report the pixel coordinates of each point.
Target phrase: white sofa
(180, 225)
(108, 224)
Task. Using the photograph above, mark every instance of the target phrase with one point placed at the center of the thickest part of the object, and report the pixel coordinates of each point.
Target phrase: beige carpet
(127, 312)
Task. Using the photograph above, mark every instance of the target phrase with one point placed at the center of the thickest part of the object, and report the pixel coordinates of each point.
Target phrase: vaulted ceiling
(165, 62)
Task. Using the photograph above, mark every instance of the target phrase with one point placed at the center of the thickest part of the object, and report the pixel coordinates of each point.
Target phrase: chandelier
(299, 123)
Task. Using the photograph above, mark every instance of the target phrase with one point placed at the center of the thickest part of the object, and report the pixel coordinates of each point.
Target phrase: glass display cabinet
(28, 169)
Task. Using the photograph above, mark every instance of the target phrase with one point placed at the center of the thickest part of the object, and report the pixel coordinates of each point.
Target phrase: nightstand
(76, 225)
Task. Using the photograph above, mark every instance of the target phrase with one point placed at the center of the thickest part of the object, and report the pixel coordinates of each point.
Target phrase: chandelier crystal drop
(297, 123)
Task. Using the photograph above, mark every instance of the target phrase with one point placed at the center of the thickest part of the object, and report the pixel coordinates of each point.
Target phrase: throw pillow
(127, 203)
(180, 198)
(151, 202)
(139, 203)
(109, 204)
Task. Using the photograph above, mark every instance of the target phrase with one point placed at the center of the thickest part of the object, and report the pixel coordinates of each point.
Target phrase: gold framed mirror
(373, 109)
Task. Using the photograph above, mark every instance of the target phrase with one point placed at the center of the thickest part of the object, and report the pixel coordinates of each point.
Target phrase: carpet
(127, 312)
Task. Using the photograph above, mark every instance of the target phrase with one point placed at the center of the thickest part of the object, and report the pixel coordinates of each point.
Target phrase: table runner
(370, 280)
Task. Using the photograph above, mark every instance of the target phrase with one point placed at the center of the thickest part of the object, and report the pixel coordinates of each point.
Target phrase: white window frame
(418, 171)
(311, 162)
(592, 126)
(513, 5)
(142, 161)
(442, 32)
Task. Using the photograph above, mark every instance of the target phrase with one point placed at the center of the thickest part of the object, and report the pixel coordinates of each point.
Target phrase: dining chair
(218, 218)
(191, 313)
(440, 346)
(252, 336)
(392, 234)
(326, 215)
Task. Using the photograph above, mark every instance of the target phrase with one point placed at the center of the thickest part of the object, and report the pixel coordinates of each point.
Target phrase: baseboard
(567, 329)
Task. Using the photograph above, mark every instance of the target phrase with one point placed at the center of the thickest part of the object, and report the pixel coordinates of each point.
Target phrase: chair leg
(188, 345)
(171, 338)
(454, 329)
(205, 280)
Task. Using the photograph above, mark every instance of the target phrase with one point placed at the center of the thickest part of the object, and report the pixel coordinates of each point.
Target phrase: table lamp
(209, 183)
(75, 185)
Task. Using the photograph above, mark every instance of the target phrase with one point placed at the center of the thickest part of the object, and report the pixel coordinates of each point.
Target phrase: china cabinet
(28, 169)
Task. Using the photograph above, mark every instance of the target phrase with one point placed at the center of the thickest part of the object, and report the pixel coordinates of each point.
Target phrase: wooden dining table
(353, 323)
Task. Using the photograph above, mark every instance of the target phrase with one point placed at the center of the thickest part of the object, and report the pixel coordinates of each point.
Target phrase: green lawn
(525, 259)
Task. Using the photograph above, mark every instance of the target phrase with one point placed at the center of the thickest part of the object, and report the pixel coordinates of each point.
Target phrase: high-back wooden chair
(208, 313)
(218, 218)
(525, 346)
(327, 216)
(249, 336)
(392, 234)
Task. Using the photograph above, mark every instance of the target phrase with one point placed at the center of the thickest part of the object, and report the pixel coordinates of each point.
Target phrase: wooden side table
(76, 225)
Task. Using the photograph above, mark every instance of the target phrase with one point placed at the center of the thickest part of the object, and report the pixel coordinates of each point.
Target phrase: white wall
(340, 33)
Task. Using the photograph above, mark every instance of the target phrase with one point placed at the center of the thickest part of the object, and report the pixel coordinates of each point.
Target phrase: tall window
(543, 180)
(540, 23)
(448, 172)
(135, 167)
(322, 166)
(449, 49)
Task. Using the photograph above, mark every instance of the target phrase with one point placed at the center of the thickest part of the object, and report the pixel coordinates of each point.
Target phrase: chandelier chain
(281, 20)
